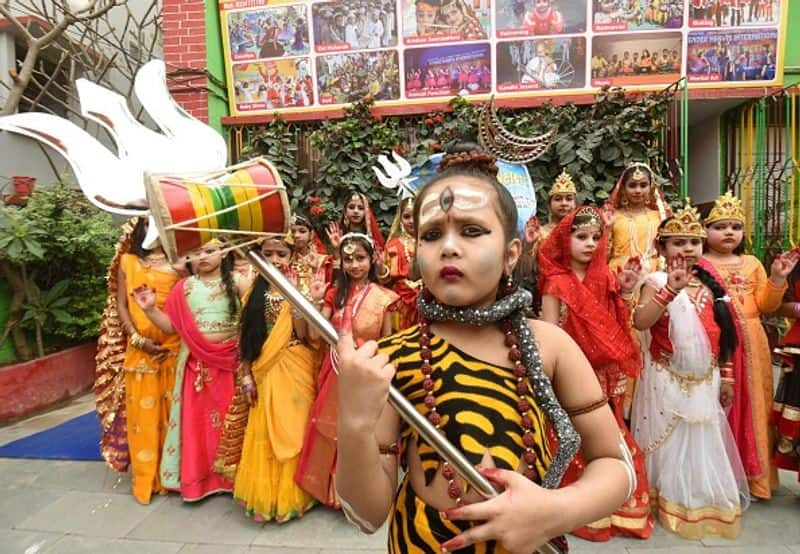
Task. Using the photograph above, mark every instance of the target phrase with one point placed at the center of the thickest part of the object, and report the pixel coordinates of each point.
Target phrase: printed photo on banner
(733, 13)
(462, 69)
(638, 59)
(735, 55)
(273, 84)
(634, 15)
(523, 18)
(354, 25)
(343, 78)
(432, 21)
(268, 33)
(547, 63)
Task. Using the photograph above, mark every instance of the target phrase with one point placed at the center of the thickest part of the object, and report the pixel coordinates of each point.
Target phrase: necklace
(508, 312)
(523, 405)
(272, 305)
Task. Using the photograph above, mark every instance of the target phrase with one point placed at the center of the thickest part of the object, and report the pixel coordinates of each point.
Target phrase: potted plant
(54, 254)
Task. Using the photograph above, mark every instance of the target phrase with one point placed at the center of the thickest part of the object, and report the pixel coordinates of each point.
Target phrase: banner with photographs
(308, 56)
(448, 70)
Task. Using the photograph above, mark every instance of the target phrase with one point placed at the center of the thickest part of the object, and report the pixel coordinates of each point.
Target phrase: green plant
(42, 307)
(277, 141)
(349, 148)
(57, 237)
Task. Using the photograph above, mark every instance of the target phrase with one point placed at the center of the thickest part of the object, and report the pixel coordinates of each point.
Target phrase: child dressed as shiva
(487, 378)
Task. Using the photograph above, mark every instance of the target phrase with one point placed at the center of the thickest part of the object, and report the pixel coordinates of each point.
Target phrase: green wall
(792, 57)
(217, 96)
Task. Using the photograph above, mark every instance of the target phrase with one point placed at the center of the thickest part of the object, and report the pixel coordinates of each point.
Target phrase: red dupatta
(219, 355)
(740, 416)
(597, 316)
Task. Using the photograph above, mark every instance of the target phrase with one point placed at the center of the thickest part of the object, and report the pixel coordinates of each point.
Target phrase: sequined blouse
(209, 304)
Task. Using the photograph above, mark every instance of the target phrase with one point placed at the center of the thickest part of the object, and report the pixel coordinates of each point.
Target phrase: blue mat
(76, 439)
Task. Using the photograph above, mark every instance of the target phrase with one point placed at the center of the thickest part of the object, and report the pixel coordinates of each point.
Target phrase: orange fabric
(633, 518)
(399, 253)
(148, 381)
(317, 466)
(747, 284)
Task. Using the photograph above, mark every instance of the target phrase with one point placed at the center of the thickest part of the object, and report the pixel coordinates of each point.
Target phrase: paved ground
(81, 507)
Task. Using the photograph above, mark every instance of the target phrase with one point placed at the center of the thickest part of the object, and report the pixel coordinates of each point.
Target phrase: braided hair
(226, 271)
(226, 274)
(722, 315)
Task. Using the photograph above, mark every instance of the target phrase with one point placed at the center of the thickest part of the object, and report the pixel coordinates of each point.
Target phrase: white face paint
(466, 199)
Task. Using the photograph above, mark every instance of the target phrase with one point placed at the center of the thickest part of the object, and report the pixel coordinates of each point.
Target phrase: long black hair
(343, 279)
(722, 314)
(137, 238)
(226, 273)
(253, 330)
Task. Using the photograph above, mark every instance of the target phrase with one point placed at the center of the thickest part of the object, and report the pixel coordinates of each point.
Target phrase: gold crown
(591, 213)
(214, 243)
(725, 207)
(280, 240)
(684, 223)
(563, 185)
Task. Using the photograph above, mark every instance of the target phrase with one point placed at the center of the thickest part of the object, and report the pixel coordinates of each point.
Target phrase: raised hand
(318, 285)
(783, 264)
(145, 297)
(629, 274)
(608, 215)
(678, 274)
(532, 229)
(334, 235)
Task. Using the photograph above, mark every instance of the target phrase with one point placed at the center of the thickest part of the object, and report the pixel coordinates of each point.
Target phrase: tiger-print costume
(478, 413)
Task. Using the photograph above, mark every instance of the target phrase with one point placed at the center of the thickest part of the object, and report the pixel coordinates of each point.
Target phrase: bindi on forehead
(466, 197)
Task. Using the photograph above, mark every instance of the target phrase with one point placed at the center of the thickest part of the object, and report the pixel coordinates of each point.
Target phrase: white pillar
(7, 62)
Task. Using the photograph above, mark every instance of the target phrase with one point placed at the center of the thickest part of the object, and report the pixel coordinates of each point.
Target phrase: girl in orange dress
(358, 297)
(632, 216)
(582, 296)
(149, 363)
(398, 265)
(752, 293)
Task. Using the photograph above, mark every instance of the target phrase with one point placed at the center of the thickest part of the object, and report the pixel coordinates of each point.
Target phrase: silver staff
(406, 410)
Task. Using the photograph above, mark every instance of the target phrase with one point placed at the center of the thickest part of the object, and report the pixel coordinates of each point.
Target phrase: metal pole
(406, 410)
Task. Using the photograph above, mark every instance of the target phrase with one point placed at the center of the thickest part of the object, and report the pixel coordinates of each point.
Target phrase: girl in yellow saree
(277, 378)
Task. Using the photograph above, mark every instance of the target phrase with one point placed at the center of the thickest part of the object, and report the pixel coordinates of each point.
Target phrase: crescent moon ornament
(505, 145)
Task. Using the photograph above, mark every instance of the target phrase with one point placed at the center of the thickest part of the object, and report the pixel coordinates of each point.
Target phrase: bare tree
(105, 41)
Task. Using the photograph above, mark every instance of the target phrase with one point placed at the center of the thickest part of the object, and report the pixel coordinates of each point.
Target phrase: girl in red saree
(358, 298)
(582, 295)
(399, 265)
(357, 217)
(203, 309)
